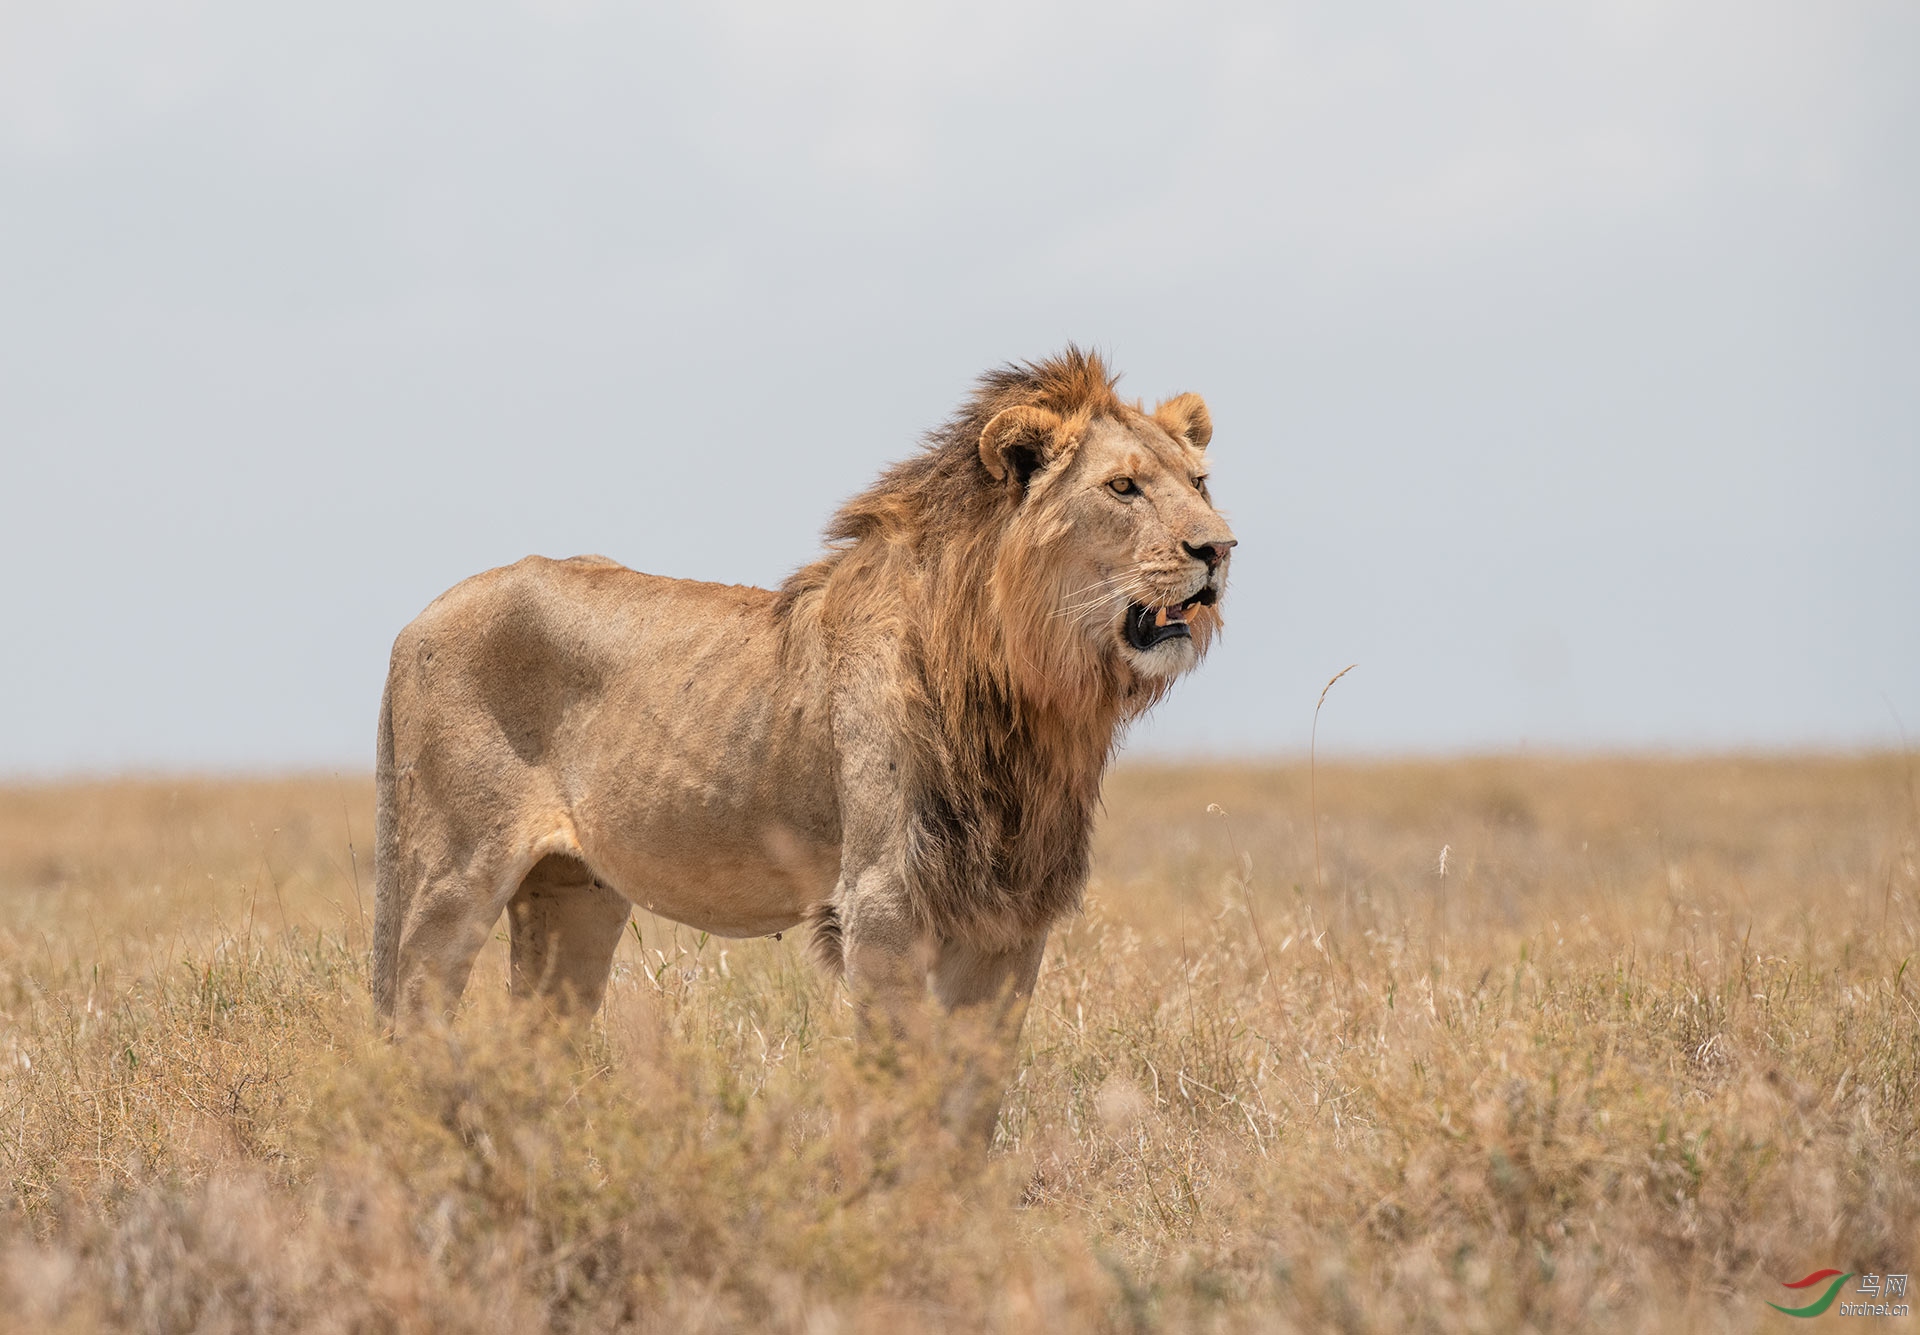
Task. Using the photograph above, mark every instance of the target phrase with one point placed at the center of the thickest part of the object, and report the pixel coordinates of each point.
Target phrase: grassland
(1527, 1044)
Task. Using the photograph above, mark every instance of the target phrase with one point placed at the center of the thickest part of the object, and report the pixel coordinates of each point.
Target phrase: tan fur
(903, 745)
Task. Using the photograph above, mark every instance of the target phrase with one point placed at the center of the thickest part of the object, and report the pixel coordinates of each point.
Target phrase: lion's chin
(1165, 659)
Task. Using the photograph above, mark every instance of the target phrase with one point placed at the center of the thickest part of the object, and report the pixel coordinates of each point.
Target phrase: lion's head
(1061, 540)
(1114, 536)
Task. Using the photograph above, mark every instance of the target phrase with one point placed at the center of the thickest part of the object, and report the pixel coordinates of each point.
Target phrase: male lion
(903, 746)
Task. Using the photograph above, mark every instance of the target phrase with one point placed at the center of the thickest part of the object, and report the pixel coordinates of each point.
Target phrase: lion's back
(523, 647)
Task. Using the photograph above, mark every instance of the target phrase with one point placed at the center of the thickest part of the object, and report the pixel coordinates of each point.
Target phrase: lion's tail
(387, 903)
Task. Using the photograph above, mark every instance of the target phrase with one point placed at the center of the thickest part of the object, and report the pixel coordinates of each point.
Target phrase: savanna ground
(1648, 1047)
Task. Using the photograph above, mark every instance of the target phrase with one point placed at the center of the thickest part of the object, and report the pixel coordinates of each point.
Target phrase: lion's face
(1149, 548)
(1120, 540)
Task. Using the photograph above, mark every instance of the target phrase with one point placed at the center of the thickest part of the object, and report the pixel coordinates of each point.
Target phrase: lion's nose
(1211, 553)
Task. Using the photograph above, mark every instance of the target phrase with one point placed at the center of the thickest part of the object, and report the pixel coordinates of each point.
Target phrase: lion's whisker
(1107, 583)
(1079, 609)
(1128, 588)
(1074, 609)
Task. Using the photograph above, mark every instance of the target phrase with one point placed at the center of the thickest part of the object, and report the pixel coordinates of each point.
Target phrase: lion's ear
(1185, 417)
(1019, 441)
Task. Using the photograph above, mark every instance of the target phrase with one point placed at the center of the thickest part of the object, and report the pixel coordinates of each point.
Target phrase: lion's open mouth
(1147, 626)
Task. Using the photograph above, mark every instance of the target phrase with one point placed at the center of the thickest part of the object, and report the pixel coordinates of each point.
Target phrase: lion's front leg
(987, 992)
(886, 958)
(897, 972)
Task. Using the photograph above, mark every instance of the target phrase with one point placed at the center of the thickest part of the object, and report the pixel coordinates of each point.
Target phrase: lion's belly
(730, 889)
(736, 854)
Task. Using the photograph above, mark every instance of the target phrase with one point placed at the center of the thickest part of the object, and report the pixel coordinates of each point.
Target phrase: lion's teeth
(1160, 617)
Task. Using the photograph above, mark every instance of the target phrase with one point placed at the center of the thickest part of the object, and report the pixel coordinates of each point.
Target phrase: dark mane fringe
(1004, 771)
(827, 943)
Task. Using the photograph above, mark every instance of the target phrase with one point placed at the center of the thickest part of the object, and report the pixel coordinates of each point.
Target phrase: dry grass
(1646, 1049)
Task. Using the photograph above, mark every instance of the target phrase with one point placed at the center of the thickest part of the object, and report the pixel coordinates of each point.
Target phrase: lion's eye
(1123, 486)
(1200, 484)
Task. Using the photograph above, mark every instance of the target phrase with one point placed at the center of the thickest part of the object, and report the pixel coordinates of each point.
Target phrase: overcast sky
(1564, 360)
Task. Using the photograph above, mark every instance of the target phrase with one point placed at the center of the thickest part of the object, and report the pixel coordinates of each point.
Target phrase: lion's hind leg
(564, 927)
(442, 925)
(451, 889)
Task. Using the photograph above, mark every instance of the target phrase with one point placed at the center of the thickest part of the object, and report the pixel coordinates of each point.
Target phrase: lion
(902, 746)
